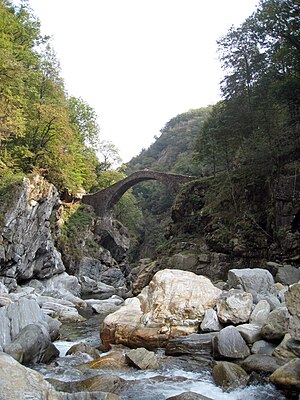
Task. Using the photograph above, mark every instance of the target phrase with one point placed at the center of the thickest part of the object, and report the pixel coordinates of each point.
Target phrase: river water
(173, 378)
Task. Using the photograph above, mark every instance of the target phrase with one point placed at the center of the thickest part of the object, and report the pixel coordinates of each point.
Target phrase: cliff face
(38, 240)
(264, 226)
(26, 245)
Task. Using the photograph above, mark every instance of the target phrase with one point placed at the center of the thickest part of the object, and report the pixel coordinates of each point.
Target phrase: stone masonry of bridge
(104, 200)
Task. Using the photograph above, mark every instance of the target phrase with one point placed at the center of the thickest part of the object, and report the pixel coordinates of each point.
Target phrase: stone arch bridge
(104, 200)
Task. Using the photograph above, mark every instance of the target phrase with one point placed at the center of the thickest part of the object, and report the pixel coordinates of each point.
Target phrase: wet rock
(229, 343)
(263, 347)
(22, 383)
(194, 345)
(89, 396)
(250, 332)
(292, 297)
(276, 325)
(97, 383)
(84, 348)
(210, 322)
(288, 375)
(261, 363)
(53, 327)
(287, 275)
(258, 282)
(173, 304)
(229, 376)
(114, 359)
(260, 313)
(32, 345)
(189, 396)
(234, 306)
(142, 359)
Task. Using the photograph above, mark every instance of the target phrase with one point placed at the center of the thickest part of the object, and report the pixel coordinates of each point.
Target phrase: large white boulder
(173, 304)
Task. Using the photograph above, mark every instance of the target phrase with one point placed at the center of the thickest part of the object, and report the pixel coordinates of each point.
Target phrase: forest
(241, 145)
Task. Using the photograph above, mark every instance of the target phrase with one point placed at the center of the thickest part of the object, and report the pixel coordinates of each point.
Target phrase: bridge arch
(104, 200)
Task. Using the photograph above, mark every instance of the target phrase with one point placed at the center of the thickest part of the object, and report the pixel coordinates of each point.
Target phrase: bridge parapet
(104, 200)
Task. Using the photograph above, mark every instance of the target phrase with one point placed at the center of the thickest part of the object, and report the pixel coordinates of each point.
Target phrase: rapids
(173, 378)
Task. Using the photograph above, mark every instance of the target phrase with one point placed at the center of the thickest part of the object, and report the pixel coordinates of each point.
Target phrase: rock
(263, 347)
(3, 289)
(175, 297)
(261, 363)
(106, 306)
(173, 304)
(276, 325)
(189, 396)
(90, 286)
(234, 306)
(102, 275)
(210, 322)
(84, 348)
(258, 282)
(292, 298)
(282, 351)
(287, 275)
(260, 313)
(230, 344)
(229, 376)
(114, 359)
(5, 300)
(113, 236)
(142, 359)
(63, 286)
(21, 383)
(185, 262)
(288, 375)
(53, 327)
(97, 383)
(250, 332)
(294, 346)
(32, 345)
(16, 316)
(142, 274)
(194, 345)
(27, 242)
(89, 396)
(61, 309)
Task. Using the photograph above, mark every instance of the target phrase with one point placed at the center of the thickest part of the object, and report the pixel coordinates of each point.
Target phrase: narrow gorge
(61, 266)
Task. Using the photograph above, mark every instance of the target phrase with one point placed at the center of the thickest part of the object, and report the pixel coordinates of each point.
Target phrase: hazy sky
(139, 63)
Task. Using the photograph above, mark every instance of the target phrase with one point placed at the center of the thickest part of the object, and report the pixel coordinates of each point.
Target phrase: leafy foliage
(41, 129)
(252, 136)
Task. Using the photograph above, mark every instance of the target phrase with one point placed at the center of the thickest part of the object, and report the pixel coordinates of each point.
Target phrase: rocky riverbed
(242, 341)
(182, 332)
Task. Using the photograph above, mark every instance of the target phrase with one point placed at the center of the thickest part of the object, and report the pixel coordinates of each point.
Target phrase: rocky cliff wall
(39, 240)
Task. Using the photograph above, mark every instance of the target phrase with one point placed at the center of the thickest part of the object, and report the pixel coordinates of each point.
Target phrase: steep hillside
(173, 151)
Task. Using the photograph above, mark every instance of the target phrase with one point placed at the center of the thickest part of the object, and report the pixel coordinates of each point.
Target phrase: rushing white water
(158, 385)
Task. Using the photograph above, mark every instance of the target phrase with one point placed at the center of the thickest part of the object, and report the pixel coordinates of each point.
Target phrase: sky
(139, 63)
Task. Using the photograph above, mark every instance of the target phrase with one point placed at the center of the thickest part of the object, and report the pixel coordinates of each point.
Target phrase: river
(175, 377)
